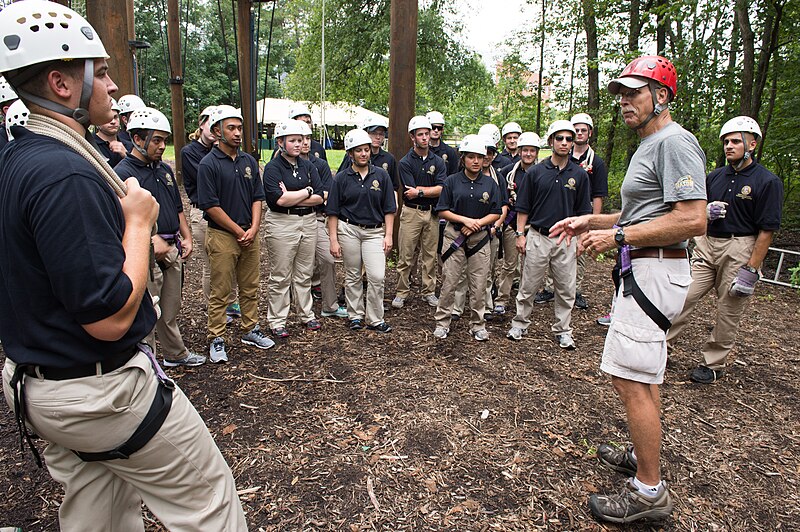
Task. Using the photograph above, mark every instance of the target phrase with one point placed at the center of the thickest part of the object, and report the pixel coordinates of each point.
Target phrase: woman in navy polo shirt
(361, 207)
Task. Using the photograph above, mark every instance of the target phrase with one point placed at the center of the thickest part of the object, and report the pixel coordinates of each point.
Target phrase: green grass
(334, 157)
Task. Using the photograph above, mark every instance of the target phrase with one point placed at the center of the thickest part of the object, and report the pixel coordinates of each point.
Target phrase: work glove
(745, 283)
(716, 210)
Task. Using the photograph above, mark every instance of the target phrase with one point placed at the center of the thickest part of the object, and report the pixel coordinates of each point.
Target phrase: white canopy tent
(270, 111)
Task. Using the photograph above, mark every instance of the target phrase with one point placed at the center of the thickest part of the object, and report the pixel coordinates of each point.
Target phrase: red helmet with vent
(653, 67)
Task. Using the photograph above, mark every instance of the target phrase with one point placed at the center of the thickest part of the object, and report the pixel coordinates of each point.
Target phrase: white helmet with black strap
(511, 127)
(490, 131)
(220, 113)
(741, 125)
(130, 103)
(530, 139)
(149, 120)
(37, 32)
(473, 144)
(355, 138)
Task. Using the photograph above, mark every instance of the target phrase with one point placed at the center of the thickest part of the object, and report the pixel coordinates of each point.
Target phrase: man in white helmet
(511, 132)
(745, 203)
(149, 130)
(300, 112)
(439, 146)
(422, 174)
(105, 137)
(230, 191)
(7, 97)
(72, 320)
(127, 104)
(550, 191)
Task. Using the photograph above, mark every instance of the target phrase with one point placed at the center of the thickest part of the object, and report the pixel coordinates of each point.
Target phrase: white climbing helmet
(418, 122)
(473, 144)
(529, 138)
(291, 127)
(741, 124)
(149, 118)
(129, 103)
(371, 123)
(221, 112)
(560, 125)
(491, 131)
(511, 127)
(298, 109)
(17, 115)
(355, 138)
(6, 92)
(582, 118)
(435, 117)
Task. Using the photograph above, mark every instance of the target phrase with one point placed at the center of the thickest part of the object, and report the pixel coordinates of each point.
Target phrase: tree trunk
(773, 91)
(769, 43)
(608, 154)
(572, 69)
(661, 26)
(748, 59)
(541, 69)
(590, 25)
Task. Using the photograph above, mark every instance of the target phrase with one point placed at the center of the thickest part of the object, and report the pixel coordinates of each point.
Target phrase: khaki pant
(179, 474)
(715, 264)
(417, 228)
(325, 267)
(166, 285)
(507, 267)
(476, 268)
(363, 248)
(228, 259)
(292, 243)
(541, 252)
(199, 229)
(461, 291)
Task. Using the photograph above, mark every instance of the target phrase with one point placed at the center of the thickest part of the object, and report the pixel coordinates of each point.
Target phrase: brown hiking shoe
(631, 505)
(618, 458)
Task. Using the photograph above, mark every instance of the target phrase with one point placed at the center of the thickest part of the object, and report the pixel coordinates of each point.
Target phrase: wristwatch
(750, 269)
(619, 238)
(310, 191)
(420, 193)
(519, 233)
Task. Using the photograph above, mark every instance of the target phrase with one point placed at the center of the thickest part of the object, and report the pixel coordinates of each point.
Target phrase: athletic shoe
(316, 292)
(455, 317)
(381, 327)
(481, 335)
(190, 360)
(356, 324)
(631, 505)
(618, 458)
(431, 300)
(313, 325)
(499, 310)
(605, 321)
(280, 332)
(441, 332)
(217, 352)
(565, 341)
(234, 310)
(543, 296)
(257, 338)
(340, 312)
(516, 333)
(398, 302)
(488, 316)
(704, 375)
(580, 301)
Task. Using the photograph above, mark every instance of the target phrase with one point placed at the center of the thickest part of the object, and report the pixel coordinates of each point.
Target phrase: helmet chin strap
(741, 163)
(658, 108)
(81, 114)
(143, 150)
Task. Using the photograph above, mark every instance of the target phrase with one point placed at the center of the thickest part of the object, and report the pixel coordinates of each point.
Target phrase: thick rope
(49, 127)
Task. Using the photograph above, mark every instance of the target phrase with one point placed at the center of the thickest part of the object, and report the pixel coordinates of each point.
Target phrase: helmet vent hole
(34, 28)
(64, 25)
(37, 15)
(21, 20)
(67, 15)
(65, 47)
(11, 41)
(49, 25)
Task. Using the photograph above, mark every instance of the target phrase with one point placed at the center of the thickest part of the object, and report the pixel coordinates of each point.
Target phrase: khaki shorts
(636, 348)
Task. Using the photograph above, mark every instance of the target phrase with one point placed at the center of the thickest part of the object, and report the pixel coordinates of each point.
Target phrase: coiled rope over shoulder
(49, 127)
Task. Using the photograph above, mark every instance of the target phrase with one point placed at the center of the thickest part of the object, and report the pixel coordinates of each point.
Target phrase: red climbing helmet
(653, 67)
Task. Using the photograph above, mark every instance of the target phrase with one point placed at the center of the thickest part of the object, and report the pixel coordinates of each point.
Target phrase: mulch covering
(341, 430)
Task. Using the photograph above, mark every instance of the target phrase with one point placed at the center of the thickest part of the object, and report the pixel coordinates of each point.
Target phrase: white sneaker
(565, 341)
(190, 360)
(441, 332)
(398, 302)
(431, 300)
(516, 333)
(257, 338)
(481, 335)
(340, 312)
(217, 351)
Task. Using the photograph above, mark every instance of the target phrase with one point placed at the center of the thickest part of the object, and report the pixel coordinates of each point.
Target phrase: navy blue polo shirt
(382, 159)
(598, 173)
(448, 155)
(473, 199)
(3, 136)
(362, 201)
(61, 257)
(160, 181)
(754, 197)
(414, 172)
(549, 195)
(191, 155)
(325, 177)
(507, 155)
(500, 161)
(232, 185)
(279, 170)
(104, 147)
(317, 150)
(125, 138)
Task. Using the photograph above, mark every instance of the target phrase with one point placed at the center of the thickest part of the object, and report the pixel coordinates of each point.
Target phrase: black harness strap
(631, 287)
(18, 385)
(455, 246)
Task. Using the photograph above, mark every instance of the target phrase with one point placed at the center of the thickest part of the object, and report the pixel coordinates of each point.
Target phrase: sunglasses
(629, 94)
(437, 128)
(560, 138)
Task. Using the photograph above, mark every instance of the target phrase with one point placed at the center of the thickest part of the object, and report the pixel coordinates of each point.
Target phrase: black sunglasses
(559, 138)
(437, 128)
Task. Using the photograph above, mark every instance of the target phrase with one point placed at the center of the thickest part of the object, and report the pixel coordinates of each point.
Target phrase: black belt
(418, 207)
(728, 235)
(659, 253)
(541, 230)
(362, 226)
(107, 365)
(297, 211)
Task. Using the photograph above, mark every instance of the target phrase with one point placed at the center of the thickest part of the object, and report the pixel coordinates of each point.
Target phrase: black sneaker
(618, 458)
(704, 375)
(580, 301)
(316, 292)
(381, 327)
(543, 296)
(631, 505)
(356, 325)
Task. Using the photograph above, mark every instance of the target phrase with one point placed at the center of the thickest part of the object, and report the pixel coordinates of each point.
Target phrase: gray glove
(745, 283)
(716, 210)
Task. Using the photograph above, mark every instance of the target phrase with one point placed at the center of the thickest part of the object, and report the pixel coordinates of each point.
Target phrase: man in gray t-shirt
(663, 205)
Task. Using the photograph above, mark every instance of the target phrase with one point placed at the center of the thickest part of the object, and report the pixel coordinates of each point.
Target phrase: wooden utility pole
(176, 82)
(244, 31)
(402, 80)
(113, 21)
